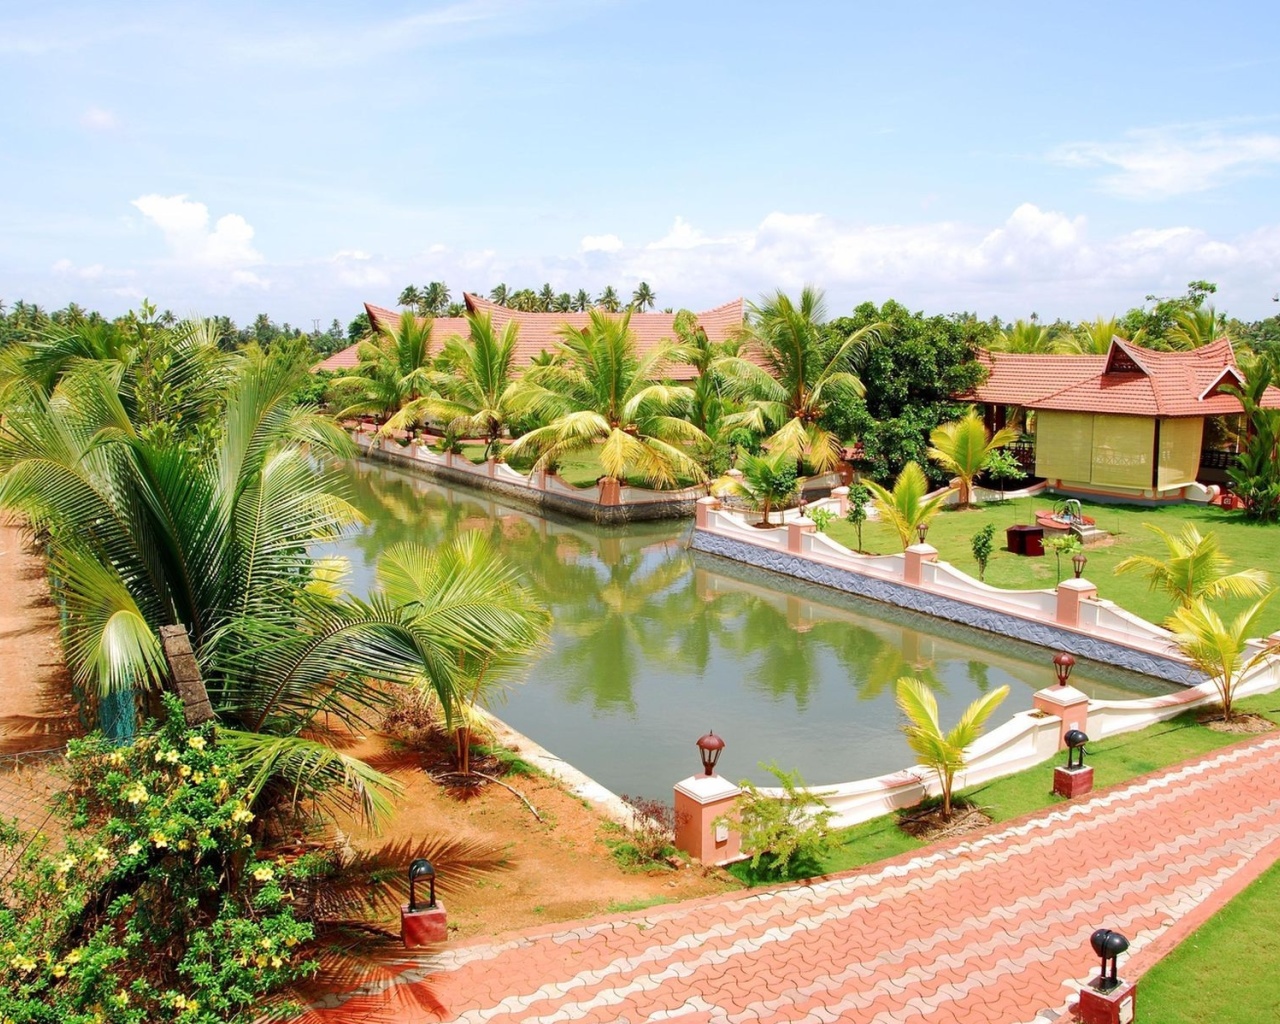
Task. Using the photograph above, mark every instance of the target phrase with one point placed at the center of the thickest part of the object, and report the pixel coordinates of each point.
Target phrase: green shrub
(822, 518)
(981, 543)
(787, 836)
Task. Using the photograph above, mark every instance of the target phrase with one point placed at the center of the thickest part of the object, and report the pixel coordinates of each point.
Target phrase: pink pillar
(795, 531)
(841, 494)
(1067, 704)
(610, 491)
(1070, 595)
(539, 479)
(700, 799)
(916, 556)
(702, 511)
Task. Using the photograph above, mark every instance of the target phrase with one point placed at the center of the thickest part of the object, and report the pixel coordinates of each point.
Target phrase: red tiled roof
(1128, 381)
(540, 332)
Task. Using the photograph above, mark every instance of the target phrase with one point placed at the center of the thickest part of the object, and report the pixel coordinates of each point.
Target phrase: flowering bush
(154, 907)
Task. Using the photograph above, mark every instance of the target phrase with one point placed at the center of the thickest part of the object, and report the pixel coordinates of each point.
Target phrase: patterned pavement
(987, 930)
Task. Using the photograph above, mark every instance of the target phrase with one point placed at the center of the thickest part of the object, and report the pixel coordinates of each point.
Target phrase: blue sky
(299, 160)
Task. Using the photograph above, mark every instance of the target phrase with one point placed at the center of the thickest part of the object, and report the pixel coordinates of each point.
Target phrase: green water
(654, 644)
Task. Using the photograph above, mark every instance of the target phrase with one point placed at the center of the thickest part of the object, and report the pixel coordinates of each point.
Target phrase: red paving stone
(991, 929)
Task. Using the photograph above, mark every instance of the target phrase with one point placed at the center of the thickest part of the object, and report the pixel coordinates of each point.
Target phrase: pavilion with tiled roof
(1128, 424)
(540, 332)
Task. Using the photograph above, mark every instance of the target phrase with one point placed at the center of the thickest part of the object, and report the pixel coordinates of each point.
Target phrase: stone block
(1072, 782)
(426, 926)
(1114, 1007)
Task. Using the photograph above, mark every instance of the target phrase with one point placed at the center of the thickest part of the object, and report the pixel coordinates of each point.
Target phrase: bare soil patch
(1244, 725)
(929, 825)
(559, 869)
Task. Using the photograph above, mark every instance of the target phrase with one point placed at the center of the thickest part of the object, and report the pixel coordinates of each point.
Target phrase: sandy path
(36, 708)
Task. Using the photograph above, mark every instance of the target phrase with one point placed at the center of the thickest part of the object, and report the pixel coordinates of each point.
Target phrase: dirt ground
(500, 868)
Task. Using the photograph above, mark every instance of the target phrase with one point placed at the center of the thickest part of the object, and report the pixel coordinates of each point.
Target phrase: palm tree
(1093, 337)
(479, 393)
(1026, 336)
(643, 298)
(609, 300)
(393, 375)
(563, 303)
(1195, 567)
(1194, 328)
(148, 531)
(546, 298)
(410, 297)
(964, 446)
(944, 752)
(802, 371)
(905, 507)
(1216, 648)
(767, 481)
(581, 301)
(435, 297)
(604, 395)
(500, 294)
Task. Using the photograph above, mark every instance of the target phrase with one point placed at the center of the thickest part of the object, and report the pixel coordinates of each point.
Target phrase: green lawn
(1114, 761)
(582, 470)
(1246, 543)
(1224, 972)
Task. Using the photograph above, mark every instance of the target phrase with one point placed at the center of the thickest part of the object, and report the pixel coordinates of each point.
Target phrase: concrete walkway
(989, 930)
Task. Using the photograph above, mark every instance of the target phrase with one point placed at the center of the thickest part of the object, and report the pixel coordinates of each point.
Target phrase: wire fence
(29, 785)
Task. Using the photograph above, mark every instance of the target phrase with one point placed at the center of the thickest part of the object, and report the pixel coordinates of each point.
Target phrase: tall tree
(546, 298)
(500, 294)
(410, 297)
(643, 298)
(393, 374)
(1027, 336)
(609, 300)
(479, 392)
(581, 301)
(603, 395)
(797, 370)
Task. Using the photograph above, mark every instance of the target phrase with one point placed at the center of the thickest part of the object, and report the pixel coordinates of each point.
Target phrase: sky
(302, 159)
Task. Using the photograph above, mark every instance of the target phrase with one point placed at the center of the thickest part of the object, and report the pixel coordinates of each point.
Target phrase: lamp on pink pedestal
(709, 748)
(1063, 663)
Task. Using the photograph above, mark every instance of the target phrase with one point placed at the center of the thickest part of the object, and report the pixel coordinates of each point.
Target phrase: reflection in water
(653, 644)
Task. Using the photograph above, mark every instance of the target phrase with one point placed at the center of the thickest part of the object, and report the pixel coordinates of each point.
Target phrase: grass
(581, 470)
(1247, 544)
(628, 906)
(511, 762)
(1114, 760)
(1224, 972)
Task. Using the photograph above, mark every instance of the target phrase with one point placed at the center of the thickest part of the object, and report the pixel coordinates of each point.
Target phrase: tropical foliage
(604, 395)
(393, 380)
(786, 833)
(907, 506)
(1218, 648)
(1195, 567)
(942, 751)
(791, 369)
(765, 482)
(1256, 475)
(965, 447)
(480, 394)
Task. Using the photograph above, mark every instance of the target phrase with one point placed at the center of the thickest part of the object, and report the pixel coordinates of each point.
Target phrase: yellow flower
(185, 770)
(134, 849)
(184, 844)
(242, 814)
(290, 941)
(101, 854)
(136, 793)
(266, 943)
(247, 841)
(73, 957)
(196, 742)
(197, 777)
(276, 961)
(159, 839)
(260, 961)
(66, 864)
(23, 963)
(264, 874)
(59, 970)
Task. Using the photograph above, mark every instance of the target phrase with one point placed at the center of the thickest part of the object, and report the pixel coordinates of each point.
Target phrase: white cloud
(227, 246)
(97, 119)
(1164, 162)
(601, 243)
(90, 273)
(355, 268)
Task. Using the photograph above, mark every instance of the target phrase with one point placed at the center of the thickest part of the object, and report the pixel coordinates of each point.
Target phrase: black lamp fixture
(1078, 561)
(1075, 741)
(1063, 663)
(709, 748)
(421, 868)
(922, 531)
(1108, 945)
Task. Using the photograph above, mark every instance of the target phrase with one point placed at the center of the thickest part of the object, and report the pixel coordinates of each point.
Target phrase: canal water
(654, 644)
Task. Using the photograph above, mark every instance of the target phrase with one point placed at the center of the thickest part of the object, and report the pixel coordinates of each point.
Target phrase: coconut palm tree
(434, 299)
(964, 446)
(1194, 567)
(944, 752)
(148, 531)
(410, 297)
(500, 294)
(609, 300)
(800, 371)
(581, 301)
(1093, 337)
(546, 298)
(906, 507)
(393, 375)
(479, 393)
(563, 303)
(605, 396)
(1026, 336)
(1216, 648)
(643, 298)
(767, 481)
(1194, 328)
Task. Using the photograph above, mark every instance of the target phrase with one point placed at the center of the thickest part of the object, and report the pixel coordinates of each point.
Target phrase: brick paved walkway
(990, 930)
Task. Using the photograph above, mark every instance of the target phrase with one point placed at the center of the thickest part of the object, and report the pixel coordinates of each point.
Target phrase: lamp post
(1075, 741)
(710, 747)
(1108, 945)
(1108, 999)
(922, 531)
(1063, 663)
(1078, 562)
(421, 868)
